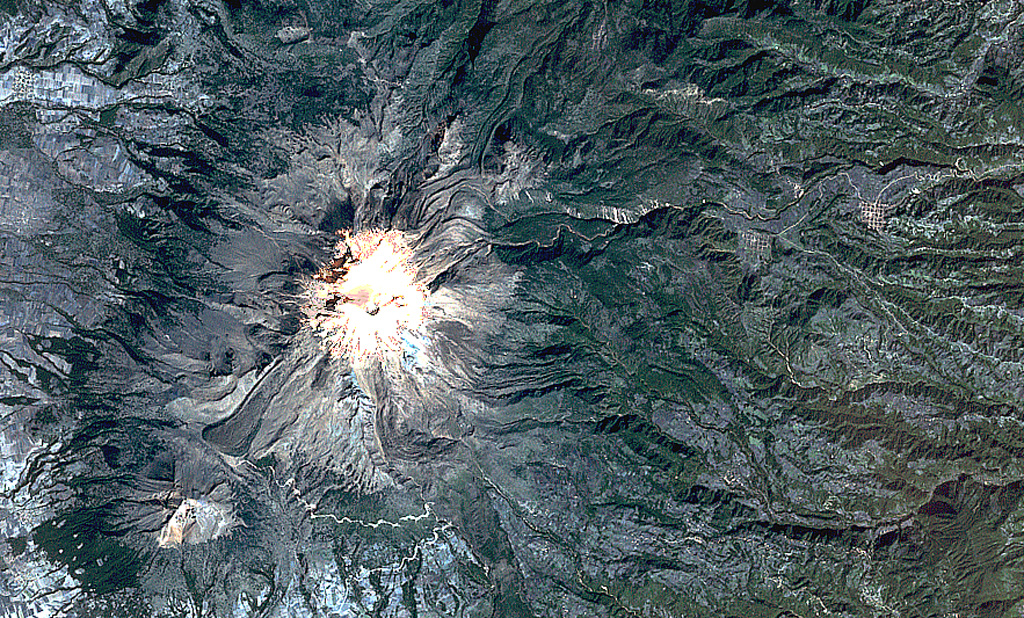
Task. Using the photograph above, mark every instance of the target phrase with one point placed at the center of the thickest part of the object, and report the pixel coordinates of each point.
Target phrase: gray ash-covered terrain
(724, 308)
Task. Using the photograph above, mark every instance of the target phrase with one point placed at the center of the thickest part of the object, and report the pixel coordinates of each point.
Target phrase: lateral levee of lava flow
(362, 302)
